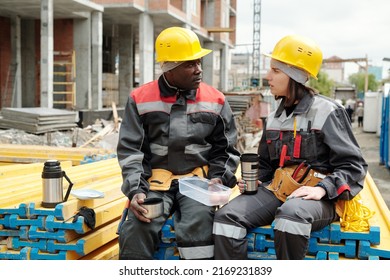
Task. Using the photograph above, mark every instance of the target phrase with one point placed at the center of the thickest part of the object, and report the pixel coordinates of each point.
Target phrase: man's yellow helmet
(178, 44)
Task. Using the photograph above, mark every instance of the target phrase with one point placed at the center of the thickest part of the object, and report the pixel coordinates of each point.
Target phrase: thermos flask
(250, 171)
(52, 184)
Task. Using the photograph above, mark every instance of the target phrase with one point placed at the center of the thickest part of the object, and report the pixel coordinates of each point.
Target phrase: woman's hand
(306, 192)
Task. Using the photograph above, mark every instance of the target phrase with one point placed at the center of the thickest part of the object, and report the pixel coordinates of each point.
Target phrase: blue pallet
(95, 158)
(15, 222)
(22, 232)
(336, 234)
(21, 211)
(348, 249)
(262, 243)
(36, 254)
(23, 254)
(34, 210)
(78, 246)
(168, 234)
(166, 253)
(52, 224)
(365, 250)
(320, 255)
(268, 255)
(266, 230)
(4, 221)
(17, 243)
(60, 235)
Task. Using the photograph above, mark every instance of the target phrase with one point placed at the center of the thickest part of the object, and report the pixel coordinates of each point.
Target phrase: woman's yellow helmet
(300, 52)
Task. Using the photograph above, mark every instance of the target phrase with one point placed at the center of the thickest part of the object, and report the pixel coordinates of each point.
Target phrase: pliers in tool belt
(301, 171)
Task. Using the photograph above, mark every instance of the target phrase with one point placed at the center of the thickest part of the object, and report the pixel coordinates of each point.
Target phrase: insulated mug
(250, 171)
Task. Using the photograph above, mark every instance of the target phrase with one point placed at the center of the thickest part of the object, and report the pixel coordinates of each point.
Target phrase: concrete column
(82, 47)
(126, 62)
(224, 69)
(97, 60)
(114, 47)
(17, 59)
(28, 63)
(146, 49)
(47, 53)
(208, 64)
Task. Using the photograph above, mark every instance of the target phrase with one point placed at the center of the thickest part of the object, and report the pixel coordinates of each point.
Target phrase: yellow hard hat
(300, 52)
(178, 44)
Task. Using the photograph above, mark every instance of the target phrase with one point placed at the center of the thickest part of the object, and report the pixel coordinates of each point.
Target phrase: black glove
(89, 216)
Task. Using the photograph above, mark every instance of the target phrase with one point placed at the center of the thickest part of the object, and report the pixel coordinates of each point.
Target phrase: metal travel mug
(250, 171)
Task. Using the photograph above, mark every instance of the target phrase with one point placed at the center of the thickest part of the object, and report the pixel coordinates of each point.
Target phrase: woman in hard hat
(306, 128)
(176, 126)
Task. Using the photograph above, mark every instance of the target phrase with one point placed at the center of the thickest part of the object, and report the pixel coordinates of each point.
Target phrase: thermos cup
(52, 185)
(250, 171)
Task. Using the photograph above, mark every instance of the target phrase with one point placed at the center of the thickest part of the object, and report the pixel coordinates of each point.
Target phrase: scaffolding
(64, 80)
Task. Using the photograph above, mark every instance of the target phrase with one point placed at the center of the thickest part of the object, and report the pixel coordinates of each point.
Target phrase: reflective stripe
(229, 231)
(156, 106)
(292, 227)
(211, 107)
(201, 252)
(196, 149)
(131, 159)
(158, 149)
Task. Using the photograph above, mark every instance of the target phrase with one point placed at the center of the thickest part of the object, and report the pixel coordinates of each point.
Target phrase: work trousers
(193, 223)
(294, 221)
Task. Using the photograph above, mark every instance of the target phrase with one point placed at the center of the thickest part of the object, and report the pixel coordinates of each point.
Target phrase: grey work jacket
(323, 137)
(177, 131)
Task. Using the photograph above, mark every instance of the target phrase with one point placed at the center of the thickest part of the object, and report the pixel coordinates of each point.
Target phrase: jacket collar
(166, 90)
(302, 107)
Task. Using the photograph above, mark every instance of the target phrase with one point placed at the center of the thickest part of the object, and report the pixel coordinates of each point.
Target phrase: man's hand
(136, 207)
(242, 185)
(215, 181)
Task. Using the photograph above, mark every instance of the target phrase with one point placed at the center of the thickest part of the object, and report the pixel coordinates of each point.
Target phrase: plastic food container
(200, 190)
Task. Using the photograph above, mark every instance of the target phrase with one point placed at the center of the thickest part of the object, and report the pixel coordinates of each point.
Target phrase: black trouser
(294, 220)
(192, 223)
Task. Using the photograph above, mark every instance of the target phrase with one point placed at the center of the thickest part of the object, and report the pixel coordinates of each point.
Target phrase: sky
(344, 28)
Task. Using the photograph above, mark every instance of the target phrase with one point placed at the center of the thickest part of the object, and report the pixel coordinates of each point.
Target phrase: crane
(256, 79)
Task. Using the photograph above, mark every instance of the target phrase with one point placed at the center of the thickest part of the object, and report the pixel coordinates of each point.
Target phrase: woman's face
(278, 81)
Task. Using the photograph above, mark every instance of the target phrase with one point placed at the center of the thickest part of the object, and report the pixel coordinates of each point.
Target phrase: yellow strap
(295, 127)
(161, 179)
(356, 215)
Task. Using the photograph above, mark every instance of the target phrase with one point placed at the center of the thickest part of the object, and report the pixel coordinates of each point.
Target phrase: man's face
(187, 75)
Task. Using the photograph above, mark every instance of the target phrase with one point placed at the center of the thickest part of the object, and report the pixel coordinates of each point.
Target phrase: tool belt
(161, 179)
(283, 183)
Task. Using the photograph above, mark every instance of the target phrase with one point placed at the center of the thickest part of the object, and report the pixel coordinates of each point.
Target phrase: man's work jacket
(178, 131)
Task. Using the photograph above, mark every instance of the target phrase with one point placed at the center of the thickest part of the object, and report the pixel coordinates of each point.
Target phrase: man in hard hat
(308, 133)
(174, 127)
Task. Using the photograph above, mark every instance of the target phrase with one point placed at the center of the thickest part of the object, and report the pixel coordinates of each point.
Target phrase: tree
(324, 85)
(358, 79)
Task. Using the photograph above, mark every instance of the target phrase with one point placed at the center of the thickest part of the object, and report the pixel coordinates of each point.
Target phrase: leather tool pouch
(283, 184)
(161, 179)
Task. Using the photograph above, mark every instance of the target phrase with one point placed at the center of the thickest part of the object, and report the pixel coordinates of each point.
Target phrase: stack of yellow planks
(35, 153)
(29, 231)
